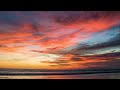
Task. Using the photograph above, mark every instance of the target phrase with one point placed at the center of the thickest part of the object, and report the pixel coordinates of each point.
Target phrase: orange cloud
(25, 33)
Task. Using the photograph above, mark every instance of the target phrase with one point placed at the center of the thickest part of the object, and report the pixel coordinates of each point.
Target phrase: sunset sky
(59, 39)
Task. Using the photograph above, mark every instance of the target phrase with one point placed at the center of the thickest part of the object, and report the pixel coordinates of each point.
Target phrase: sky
(60, 39)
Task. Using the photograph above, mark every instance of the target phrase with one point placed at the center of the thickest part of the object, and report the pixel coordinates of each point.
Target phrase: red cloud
(25, 32)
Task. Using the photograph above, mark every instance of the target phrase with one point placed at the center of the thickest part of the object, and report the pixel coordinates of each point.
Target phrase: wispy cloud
(74, 39)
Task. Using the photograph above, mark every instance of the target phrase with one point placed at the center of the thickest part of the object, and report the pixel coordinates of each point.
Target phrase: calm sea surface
(83, 76)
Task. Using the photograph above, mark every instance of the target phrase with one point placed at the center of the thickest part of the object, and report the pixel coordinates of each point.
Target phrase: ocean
(80, 74)
(85, 76)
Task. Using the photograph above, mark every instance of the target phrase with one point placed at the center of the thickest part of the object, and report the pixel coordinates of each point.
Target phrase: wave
(58, 72)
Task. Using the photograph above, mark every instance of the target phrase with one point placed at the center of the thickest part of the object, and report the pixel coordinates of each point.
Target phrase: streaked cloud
(55, 39)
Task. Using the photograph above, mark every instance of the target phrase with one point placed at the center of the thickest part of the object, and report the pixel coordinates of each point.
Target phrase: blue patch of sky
(8, 18)
(14, 18)
(33, 47)
(103, 36)
(97, 38)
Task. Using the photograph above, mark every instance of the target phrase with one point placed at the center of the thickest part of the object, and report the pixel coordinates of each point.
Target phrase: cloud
(66, 34)
(111, 43)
